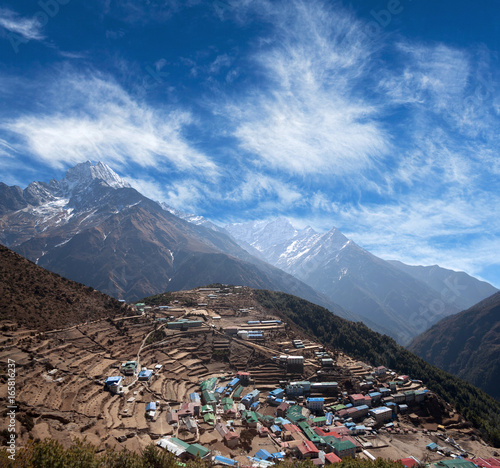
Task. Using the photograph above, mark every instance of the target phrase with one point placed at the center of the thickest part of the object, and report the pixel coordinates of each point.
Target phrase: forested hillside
(467, 345)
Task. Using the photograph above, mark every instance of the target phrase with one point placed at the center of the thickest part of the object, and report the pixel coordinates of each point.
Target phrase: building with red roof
(409, 462)
(486, 462)
(307, 449)
(231, 439)
(331, 458)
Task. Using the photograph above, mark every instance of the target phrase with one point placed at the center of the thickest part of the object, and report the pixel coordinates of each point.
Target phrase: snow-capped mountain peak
(84, 173)
(263, 234)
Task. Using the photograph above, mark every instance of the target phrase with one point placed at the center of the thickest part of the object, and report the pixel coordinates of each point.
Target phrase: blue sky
(378, 117)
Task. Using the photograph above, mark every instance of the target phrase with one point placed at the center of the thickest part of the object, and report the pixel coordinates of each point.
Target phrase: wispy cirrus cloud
(457, 85)
(304, 116)
(27, 28)
(92, 117)
(455, 230)
(436, 73)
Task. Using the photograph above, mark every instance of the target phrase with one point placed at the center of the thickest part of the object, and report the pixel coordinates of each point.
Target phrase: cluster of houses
(301, 419)
(302, 424)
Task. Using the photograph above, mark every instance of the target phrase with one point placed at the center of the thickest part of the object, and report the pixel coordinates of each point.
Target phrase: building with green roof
(197, 450)
(237, 393)
(309, 433)
(207, 409)
(294, 414)
(208, 398)
(209, 418)
(179, 442)
(250, 418)
(344, 448)
(319, 421)
(209, 384)
(454, 463)
(338, 408)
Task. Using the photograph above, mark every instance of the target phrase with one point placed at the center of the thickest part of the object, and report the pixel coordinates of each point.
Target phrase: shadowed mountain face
(394, 296)
(36, 298)
(456, 287)
(92, 227)
(467, 345)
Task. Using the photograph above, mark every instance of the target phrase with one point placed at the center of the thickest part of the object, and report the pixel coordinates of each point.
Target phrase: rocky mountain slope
(376, 290)
(92, 227)
(33, 297)
(467, 345)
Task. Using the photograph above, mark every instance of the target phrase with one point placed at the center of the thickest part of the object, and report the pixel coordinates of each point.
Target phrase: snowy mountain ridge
(83, 174)
(353, 277)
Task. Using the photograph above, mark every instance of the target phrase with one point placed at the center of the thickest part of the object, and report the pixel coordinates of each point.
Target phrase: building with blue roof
(263, 454)
(255, 336)
(151, 410)
(234, 382)
(113, 380)
(145, 374)
(358, 429)
(277, 393)
(315, 404)
(282, 421)
(250, 398)
(114, 384)
(220, 460)
(275, 429)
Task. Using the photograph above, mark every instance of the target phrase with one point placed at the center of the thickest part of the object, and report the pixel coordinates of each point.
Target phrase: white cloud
(220, 62)
(148, 187)
(257, 186)
(457, 230)
(455, 84)
(27, 28)
(108, 125)
(188, 194)
(145, 11)
(305, 118)
(439, 73)
(6, 149)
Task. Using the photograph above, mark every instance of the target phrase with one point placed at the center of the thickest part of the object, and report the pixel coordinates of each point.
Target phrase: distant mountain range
(404, 300)
(467, 345)
(94, 228)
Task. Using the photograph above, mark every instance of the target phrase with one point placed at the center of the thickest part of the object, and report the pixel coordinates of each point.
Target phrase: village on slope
(209, 373)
